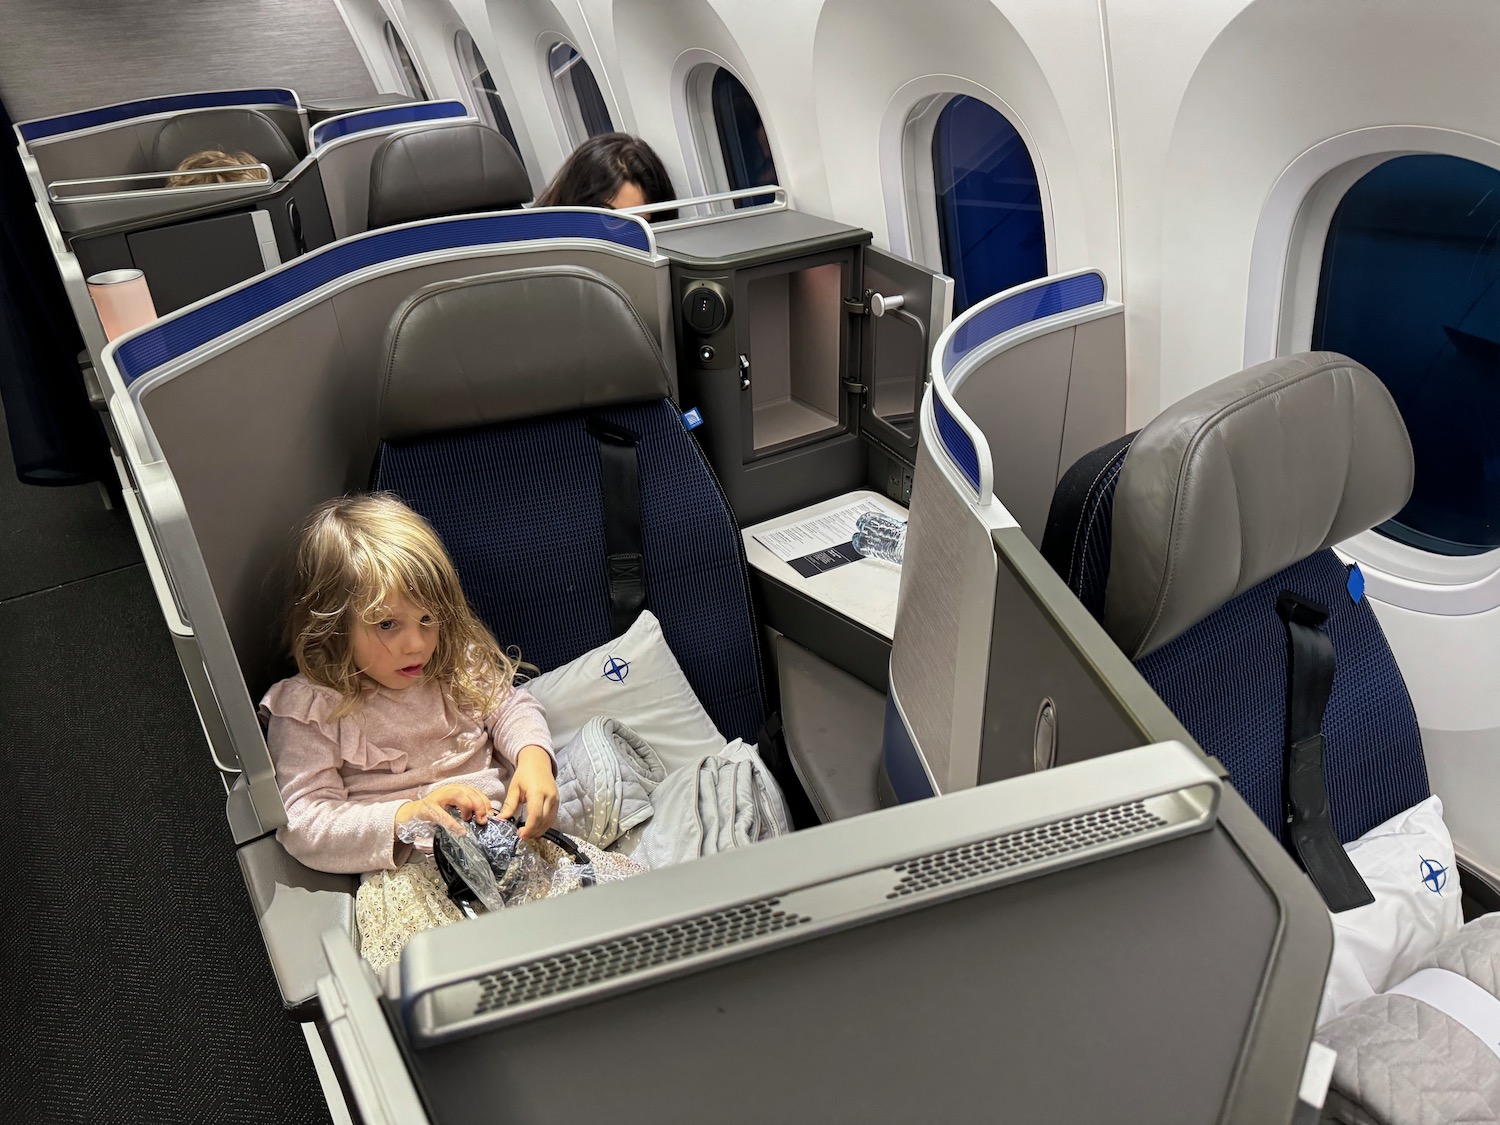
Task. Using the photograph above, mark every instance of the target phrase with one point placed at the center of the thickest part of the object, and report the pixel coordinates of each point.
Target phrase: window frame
(1281, 299)
(565, 100)
(906, 172)
(698, 127)
(488, 104)
(918, 160)
(407, 68)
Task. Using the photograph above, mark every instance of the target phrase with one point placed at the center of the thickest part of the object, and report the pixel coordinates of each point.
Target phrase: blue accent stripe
(959, 445)
(181, 334)
(384, 118)
(1033, 304)
(146, 107)
(903, 762)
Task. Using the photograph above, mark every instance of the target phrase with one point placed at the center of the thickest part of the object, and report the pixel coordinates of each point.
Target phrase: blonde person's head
(213, 166)
(356, 554)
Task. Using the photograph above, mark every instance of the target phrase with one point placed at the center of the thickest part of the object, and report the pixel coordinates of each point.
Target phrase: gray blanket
(605, 778)
(722, 801)
(1402, 1062)
(610, 781)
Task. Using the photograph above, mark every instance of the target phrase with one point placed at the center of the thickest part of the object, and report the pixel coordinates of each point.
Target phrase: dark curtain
(55, 437)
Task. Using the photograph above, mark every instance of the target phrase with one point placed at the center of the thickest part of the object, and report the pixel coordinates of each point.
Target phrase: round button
(706, 353)
(703, 310)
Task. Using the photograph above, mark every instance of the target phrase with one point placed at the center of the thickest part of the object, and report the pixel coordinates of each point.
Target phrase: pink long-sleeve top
(342, 780)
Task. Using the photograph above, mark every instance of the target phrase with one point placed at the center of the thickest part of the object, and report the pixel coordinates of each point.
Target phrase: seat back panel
(518, 505)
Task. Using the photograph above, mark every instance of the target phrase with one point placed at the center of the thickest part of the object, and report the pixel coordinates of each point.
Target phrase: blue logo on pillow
(1434, 875)
(616, 669)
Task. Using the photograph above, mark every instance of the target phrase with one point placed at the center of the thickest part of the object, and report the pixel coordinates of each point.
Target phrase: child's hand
(469, 802)
(534, 784)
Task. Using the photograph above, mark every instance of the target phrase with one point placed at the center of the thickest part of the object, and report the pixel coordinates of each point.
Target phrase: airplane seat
(230, 130)
(1184, 541)
(449, 170)
(526, 475)
(1181, 540)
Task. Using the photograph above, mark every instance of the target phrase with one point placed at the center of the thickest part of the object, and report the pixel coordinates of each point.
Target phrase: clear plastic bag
(461, 849)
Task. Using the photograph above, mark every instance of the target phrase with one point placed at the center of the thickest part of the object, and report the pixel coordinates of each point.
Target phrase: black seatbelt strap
(1310, 665)
(620, 492)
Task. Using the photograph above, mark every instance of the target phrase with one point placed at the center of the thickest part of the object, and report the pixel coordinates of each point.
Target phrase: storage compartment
(795, 350)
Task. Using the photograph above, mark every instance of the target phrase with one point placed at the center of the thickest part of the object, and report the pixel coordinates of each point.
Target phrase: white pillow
(636, 679)
(1408, 863)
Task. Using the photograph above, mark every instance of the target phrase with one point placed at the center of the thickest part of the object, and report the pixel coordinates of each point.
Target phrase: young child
(403, 705)
(213, 166)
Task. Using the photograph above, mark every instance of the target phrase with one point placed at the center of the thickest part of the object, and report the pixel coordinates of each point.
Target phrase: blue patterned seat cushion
(518, 506)
(1226, 677)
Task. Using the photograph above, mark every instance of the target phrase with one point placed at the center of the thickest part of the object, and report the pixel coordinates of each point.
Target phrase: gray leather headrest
(518, 344)
(228, 130)
(444, 170)
(1242, 479)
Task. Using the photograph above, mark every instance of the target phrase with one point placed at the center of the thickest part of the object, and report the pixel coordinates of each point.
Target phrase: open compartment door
(907, 306)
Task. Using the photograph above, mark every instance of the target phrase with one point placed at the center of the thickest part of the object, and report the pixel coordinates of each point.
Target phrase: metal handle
(103, 181)
(776, 191)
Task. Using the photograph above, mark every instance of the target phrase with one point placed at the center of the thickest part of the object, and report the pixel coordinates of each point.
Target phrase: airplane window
(1410, 287)
(742, 137)
(482, 83)
(584, 111)
(404, 62)
(989, 204)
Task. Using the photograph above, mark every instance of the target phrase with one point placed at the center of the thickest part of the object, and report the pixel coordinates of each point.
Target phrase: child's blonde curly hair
(215, 166)
(353, 556)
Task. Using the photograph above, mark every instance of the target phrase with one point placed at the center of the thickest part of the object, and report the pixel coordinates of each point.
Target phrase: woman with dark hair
(612, 170)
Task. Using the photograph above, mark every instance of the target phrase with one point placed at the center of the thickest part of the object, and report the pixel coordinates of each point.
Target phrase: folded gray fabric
(1404, 1062)
(722, 801)
(1473, 952)
(605, 778)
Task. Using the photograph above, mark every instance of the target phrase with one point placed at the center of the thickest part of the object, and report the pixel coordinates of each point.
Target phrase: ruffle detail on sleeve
(313, 704)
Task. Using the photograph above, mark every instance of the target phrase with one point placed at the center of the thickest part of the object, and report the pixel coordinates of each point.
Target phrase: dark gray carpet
(49, 536)
(136, 984)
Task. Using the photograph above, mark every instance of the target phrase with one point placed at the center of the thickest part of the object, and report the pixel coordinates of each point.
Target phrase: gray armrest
(833, 724)
(295, 905)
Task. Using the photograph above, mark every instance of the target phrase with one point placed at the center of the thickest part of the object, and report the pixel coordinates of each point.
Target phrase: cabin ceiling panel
(57, 57)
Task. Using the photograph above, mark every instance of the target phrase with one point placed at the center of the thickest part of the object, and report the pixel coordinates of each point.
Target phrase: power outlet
(893, 479)
(905, 486)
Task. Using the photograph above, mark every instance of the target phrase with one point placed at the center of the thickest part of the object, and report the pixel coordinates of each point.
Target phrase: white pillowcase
(1409, 865)
(636, 679)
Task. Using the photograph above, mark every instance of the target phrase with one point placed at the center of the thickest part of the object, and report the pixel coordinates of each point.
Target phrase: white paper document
(819, 533)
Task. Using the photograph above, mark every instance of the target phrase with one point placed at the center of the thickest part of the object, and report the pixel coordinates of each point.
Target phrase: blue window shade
(1410, 287)
(988, 202)
(742, 138)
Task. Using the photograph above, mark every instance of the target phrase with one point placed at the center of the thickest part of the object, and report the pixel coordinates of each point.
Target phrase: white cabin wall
(1041, 62)
(1215, 100)
(651, 46)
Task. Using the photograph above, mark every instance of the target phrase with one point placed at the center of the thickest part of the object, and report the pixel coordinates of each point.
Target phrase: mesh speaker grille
(593, 964)
(1032, 845)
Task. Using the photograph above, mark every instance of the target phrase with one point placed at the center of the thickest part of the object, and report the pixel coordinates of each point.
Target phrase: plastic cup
(123, 301)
